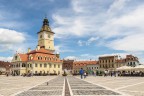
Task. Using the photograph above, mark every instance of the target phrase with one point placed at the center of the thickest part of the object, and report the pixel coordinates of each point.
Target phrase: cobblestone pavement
(133, 86)
(14, 84)
(54, 87)
(83, 88)
(58, 86)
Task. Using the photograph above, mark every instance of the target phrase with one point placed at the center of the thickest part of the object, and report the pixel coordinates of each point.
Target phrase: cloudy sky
(85, 29)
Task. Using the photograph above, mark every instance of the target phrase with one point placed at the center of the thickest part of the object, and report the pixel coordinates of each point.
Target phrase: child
(85, 75)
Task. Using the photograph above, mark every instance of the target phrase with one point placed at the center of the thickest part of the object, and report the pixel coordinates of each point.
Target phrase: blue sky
(85, 29)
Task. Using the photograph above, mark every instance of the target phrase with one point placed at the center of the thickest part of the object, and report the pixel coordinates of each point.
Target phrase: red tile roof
(41, 50)
(42, 55)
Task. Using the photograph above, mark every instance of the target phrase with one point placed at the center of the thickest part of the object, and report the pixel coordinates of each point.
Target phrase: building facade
(68, 64)
(42, 60)
(77, 65)
(112, 62)
(5, 67)
(108, 62)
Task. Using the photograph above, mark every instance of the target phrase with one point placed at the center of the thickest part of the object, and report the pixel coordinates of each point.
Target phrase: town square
(71, 48)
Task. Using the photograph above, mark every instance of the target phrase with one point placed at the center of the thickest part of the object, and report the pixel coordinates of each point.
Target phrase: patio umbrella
(139, 67)
(124, 68)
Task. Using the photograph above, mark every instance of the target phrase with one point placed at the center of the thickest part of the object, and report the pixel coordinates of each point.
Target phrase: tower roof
(45, 26)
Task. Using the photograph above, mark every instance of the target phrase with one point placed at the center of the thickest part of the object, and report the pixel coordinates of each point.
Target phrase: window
(45, 65)
(23, 65)
(40, 65)
(35, 72)
(30, 65)
(36, 65)
(54, 65)
(40, 36)
(27, 65)
(50, 65)
(58, 66)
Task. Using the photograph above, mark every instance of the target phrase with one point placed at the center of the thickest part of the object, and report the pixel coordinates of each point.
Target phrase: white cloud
(62, 49)
(6, 59)
(129, 43)
(80, 43)
(10, 39)
(117, 5)
(88, 42)
(70, 58)
(121, 55)
(92, 39)
(82, 57)
(11, 36)
(79, 21)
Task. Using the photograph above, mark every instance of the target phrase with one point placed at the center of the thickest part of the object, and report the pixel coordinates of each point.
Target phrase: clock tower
(46, 36)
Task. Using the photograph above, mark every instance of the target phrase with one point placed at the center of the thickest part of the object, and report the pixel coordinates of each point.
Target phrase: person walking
(85, 74)
(81, 73)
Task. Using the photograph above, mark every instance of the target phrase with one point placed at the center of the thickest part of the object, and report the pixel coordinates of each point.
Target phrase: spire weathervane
(45, 21)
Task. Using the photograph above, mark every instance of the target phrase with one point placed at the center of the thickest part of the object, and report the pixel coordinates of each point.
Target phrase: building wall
(108, 63)
(68, 64)
(37, 67)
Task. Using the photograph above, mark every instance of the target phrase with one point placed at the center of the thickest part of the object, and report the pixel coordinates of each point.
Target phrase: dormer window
(15, 57)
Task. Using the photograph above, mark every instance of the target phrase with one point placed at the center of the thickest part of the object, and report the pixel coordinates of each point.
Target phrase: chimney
(57, 55)
(29, 50)
(38, 47)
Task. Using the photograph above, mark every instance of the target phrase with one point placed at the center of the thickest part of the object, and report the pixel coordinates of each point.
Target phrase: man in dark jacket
(81, 72)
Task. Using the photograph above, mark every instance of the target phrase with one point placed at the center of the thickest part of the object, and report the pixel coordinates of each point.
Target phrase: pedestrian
(81, 72)
(85, 74)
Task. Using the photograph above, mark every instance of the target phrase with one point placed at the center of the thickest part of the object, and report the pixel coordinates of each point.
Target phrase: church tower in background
(46, 36)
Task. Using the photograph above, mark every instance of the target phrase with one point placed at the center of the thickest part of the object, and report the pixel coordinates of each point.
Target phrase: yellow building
(108, 63)
(42, 60)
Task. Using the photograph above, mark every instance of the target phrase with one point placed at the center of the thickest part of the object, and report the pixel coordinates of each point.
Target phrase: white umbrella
(125, 68)
(139, 67)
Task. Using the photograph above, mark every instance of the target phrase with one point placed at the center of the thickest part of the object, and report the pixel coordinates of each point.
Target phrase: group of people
(82, 73)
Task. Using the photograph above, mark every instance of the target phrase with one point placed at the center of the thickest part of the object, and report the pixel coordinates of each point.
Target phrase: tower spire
(45, 21)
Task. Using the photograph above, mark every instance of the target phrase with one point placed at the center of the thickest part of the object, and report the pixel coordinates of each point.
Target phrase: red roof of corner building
(42, 53)
(23, 57)
(121, 61)
(86, 62)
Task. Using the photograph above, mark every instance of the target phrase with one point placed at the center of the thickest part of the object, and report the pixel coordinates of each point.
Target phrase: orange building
(77, 65)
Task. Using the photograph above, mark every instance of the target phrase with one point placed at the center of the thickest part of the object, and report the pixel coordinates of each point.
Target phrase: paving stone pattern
(67, 91)
(53, 87)
(80, 87)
